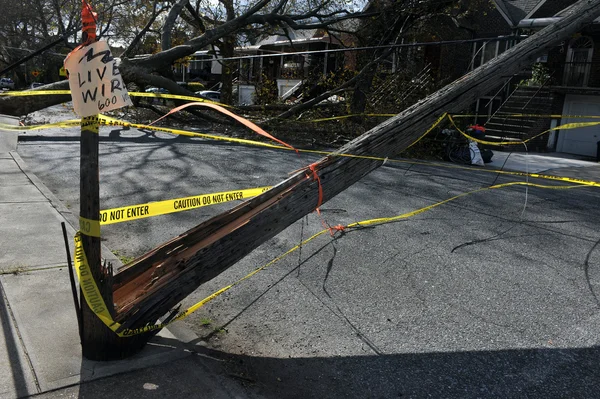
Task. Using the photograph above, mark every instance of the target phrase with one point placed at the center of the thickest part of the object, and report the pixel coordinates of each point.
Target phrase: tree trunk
(227, 71)
(165, 37)
(157, 281)
(227, 49)
(361, 91)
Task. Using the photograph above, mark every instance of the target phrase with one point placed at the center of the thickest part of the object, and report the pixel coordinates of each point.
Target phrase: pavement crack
(482, 240)
(586, 271)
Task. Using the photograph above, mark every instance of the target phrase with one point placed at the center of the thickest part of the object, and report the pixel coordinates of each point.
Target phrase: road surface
(491, 295)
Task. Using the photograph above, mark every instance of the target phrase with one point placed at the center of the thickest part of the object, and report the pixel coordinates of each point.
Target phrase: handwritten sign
(95, 81)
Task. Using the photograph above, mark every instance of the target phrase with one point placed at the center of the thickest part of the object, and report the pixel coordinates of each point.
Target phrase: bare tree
(154, 69)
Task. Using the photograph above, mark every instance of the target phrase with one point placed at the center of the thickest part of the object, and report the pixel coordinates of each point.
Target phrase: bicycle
(456, 147)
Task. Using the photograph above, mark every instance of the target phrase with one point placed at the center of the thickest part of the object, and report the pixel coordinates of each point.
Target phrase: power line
(39, 51)
(348, 49)
(31, 51)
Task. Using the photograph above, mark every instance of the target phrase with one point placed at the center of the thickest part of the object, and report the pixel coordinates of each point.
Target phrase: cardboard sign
(95, 81)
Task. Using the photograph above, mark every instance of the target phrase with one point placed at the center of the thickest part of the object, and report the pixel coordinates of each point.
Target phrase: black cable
(39, 51)
(347, 49)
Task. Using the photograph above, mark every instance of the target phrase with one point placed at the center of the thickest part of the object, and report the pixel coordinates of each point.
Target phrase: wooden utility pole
(157, 281)
(154, 283)
(98, 341)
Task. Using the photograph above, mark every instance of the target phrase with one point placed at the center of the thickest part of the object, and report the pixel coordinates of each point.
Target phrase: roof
(516, 10)
(296, 36)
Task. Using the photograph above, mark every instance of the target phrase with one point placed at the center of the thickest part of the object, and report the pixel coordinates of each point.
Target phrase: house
(283, 59)
(274, 57)
(564, 81)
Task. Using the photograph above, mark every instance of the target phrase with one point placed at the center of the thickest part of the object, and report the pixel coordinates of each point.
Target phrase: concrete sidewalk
(39, 342)
(536, 163)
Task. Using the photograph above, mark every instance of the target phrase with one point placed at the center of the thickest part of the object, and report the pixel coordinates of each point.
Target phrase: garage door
(580, 141)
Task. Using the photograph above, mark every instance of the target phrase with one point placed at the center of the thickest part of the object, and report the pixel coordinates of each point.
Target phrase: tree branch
(165, 39)
(136, 40)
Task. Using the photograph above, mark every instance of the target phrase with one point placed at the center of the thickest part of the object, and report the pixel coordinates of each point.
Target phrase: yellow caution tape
(439, 120)
(34, 93)
(114, 122)
(427, 208)
(132, 94)
(176, 97)
(582, 182)
(566, 126)
(67, 123)
(150, 209)
(96, 302)
(555, 116)
(91, 227)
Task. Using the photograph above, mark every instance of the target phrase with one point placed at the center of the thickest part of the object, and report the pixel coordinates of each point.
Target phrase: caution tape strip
(96, 303)
(555, 116)
(150, 209)
(34, 93)
(566, 126)
(114, 122)
(128, 213)
(437, 122)
(191, 98)
(67, 123)
(108, 121)
(132, 94)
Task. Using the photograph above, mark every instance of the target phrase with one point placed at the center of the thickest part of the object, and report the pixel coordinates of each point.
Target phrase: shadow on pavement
(511, 373)
(531, 373)
(11, 347)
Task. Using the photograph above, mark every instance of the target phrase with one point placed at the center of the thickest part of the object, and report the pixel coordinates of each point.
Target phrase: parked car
(210, 95)
(157, 90)
(6, 83)
(36, 84)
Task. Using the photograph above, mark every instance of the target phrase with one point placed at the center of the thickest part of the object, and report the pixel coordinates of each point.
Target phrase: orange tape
(238, 118)
(88, 19)
(313, 168)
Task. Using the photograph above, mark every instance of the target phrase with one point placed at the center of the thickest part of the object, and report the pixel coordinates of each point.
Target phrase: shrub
(195, 86)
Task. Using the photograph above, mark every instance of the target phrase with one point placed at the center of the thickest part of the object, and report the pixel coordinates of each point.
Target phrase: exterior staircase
(524, 100)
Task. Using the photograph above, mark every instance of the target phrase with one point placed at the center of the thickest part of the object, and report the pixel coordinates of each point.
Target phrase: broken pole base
(100, 343)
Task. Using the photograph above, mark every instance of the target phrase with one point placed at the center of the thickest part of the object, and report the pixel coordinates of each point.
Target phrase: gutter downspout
(537, 22)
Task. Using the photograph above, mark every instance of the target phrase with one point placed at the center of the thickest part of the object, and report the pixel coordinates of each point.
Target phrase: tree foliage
(156, 35)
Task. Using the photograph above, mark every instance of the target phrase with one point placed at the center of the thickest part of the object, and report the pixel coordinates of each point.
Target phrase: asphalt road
(491, 295)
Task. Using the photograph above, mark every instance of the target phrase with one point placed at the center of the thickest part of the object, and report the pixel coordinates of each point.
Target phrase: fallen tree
(154, 283)
(156, 69)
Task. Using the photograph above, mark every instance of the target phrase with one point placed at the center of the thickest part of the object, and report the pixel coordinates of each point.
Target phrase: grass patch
(16, 270)
(205, 321)
(220, 330)
(123, 258)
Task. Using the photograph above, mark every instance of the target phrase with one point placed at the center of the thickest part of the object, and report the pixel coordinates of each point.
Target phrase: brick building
(564, 81)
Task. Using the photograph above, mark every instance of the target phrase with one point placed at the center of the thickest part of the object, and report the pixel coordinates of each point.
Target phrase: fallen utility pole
(157, 281)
